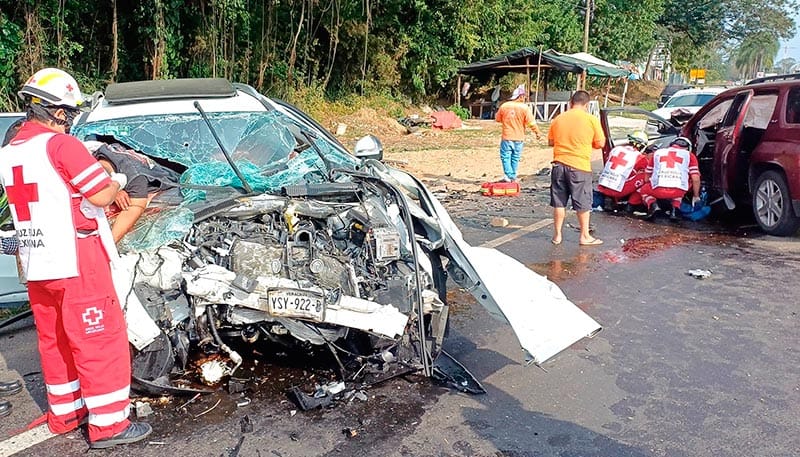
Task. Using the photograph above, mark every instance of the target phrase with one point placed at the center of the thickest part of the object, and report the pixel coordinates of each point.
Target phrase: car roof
(177, 96)
(700, 90)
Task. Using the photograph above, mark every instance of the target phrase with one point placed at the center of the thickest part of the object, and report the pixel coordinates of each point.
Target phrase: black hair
(580, 97)
(12, 131)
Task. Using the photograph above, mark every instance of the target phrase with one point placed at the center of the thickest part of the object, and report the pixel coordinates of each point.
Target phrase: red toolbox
(500, 189)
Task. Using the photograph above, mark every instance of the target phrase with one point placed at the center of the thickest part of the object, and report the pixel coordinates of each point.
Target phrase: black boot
(136, 431)
(651, 212)
(5, 408)
(10, 388)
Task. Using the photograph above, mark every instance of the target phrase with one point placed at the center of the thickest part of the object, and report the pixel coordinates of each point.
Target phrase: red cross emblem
(671, 159)
(92, 316)
(69, 87)
(618, 160)
(22, 194)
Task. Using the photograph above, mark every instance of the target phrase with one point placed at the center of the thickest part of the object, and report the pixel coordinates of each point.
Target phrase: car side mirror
(660, 104)
(369, 147)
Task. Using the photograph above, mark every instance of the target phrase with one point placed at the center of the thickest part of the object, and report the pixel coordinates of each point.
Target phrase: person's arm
(10, 245)
(499, 116)
(550, 134)
(694, 173)
(84, 172)
(599, 138)
(530, 120)
(127, 218)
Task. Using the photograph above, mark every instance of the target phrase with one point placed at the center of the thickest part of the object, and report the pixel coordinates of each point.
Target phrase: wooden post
(458, 91)
(536, 94)
(624, 91)
(527, 78)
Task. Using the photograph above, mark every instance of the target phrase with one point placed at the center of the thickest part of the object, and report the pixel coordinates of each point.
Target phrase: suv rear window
(793, 106)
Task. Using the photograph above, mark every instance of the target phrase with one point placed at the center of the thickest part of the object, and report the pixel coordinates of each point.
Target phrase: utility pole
(586, 18)
(587, 15)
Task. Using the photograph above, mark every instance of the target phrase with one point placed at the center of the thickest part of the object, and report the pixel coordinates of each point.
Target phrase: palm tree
(755, 53)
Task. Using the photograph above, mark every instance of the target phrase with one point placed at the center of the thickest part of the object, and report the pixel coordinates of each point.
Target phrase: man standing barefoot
(573, 135)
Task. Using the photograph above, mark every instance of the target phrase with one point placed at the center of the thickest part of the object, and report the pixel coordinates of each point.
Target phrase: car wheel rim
(769, 203)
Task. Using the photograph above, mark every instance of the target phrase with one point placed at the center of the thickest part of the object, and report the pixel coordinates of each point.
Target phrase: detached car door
(618, 123)
(728, 139)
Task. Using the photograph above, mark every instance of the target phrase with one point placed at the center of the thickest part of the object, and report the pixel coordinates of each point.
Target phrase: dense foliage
(339, 47)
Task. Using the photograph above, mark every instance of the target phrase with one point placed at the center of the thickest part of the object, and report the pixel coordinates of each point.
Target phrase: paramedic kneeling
(668, 172)
(56, 191)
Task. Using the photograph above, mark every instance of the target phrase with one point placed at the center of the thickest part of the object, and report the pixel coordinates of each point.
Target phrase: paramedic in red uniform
(56, 191)
(669, 171)
(624, 172)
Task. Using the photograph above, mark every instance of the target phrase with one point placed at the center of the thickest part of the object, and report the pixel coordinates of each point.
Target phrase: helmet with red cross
(681, 142)
(52, 87)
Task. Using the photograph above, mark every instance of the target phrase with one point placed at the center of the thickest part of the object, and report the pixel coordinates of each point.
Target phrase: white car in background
(12, 292)
(690, 100)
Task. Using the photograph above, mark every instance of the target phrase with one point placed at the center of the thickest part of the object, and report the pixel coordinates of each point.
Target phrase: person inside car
(145, 178)
(624, 172)
(669, 172)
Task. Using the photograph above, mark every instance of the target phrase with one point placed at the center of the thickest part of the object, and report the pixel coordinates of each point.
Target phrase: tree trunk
(114, 42)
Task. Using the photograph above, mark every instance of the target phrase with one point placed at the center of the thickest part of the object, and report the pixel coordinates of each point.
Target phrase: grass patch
(6, 313)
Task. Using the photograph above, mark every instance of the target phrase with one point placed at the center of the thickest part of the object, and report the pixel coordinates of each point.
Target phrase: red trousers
(628, 190)
(650, 194)
(83, 345)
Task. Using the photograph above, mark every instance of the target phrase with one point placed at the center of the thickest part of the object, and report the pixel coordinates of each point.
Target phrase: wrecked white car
(276, 232)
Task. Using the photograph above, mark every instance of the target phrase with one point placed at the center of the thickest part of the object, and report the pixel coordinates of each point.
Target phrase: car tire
(772, 205)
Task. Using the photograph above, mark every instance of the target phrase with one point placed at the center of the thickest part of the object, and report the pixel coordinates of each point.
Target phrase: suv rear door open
(727, 142)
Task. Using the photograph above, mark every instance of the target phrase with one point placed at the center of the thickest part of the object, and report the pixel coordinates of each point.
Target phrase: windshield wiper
(227, 155)
(310, 137)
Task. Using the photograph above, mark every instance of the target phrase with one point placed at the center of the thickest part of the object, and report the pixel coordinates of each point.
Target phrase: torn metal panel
(544, 320)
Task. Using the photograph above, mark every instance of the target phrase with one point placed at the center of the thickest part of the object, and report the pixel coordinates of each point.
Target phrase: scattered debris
(143, 409)
(350, 432)
(341, 129)
(191, 400)
(237, 385)
(497, 221)
(306, 402)
(235, 451)
(543, 172)
(294, 437)
(242, 402)
(209, 409)
(156, 443)
(699, 274)
(246, 424)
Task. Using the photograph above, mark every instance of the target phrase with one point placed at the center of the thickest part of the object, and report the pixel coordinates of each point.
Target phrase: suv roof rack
(766, 79)
(168, 89)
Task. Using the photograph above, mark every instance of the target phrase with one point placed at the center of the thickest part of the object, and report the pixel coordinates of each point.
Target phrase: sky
(791, 48)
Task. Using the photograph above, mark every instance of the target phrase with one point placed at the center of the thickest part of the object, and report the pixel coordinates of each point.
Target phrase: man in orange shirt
(514, 115)
(573, 135)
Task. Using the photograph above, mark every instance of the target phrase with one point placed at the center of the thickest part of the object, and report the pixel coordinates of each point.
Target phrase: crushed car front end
(277, 234)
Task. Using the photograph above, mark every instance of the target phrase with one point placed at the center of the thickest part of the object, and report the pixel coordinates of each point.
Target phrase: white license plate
(296, 303)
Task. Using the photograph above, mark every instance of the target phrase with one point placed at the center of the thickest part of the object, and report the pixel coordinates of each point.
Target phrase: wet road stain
(637, 248)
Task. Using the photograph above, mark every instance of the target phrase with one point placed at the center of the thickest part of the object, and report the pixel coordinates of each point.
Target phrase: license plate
(296, 303)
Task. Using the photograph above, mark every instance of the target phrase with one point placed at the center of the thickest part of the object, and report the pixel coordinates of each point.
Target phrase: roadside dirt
(460, 159)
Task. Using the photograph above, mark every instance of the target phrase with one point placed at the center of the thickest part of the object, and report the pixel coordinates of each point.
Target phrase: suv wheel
(772, 205)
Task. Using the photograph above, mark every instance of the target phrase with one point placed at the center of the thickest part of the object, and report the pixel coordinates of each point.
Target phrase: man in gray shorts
(573, 135)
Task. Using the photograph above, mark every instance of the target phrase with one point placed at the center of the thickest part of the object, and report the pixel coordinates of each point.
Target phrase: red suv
(747, 140)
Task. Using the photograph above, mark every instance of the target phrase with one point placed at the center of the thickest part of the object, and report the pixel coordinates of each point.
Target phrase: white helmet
(52, 87)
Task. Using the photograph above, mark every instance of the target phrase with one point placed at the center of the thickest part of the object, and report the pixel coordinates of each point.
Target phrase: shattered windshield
(267, 147)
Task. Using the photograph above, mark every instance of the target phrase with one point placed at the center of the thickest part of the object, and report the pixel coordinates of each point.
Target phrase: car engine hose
(233, 355)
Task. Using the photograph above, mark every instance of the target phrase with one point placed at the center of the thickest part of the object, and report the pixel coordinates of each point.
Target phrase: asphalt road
(683, 366)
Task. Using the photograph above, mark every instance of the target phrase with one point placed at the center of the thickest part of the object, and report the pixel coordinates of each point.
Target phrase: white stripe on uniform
(104, 420)
(86, 173)
(97, 401)
(63, 389)
(88, 186)
(63, 409)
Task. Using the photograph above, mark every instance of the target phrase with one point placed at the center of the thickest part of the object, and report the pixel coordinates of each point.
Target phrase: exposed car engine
(292, 271)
